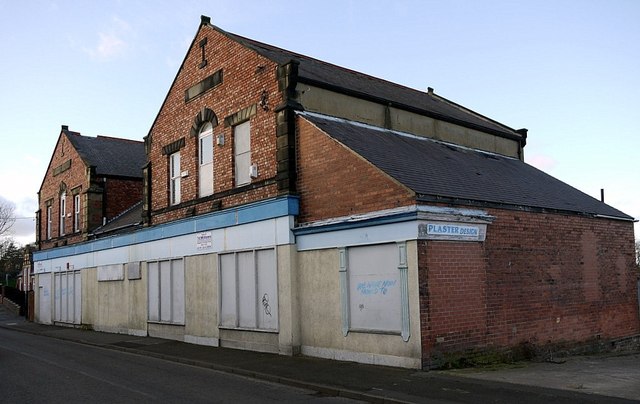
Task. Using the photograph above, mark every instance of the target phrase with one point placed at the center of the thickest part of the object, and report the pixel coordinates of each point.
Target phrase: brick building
(295, 206)
(89, 181)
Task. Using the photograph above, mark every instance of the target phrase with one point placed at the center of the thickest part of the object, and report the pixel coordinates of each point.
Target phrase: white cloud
(111, 42)
(109, 46)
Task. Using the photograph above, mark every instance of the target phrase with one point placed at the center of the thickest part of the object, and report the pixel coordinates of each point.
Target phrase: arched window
(205, 151)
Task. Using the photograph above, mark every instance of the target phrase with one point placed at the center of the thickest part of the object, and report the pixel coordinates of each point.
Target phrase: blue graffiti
(375, 287)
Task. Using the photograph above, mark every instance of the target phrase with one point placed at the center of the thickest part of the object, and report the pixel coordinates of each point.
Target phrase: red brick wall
(120, 195)
(334, 181)
(74, 177)
(454, 295)
(245, 76)
(541, 279)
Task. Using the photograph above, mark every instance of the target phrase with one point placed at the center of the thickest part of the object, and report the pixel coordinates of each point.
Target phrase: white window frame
(76, 213)
(242, 153)
(166, 291)
(174, 178)
(49, 221)
(205, 160)
(63, 212)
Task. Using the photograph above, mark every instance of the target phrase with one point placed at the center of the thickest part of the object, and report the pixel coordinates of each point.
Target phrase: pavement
(583, 379)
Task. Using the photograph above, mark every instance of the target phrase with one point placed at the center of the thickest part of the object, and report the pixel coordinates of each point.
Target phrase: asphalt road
(35, 369)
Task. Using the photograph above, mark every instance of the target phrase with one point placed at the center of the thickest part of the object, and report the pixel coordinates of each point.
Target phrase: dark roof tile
(317, 71)
(435, 170)
(110, 156)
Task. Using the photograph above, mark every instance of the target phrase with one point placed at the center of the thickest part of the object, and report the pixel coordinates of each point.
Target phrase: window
(206, 160)
(174, 178)
(76, 213)
(248, 290)
(49, 220)
(166, 291)
(373, 283)
(242, 153)
(63, 211)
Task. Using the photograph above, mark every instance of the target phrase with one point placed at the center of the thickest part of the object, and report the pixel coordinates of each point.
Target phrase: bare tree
(7, 218)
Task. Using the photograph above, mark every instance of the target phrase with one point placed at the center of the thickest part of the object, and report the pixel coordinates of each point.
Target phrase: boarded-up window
(166, 291)
(242, 152)
(205, 149)
(374, 288)
(248, 290)
(67, 297)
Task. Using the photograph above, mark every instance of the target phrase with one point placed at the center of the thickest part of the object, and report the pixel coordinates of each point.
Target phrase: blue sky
(566, 70)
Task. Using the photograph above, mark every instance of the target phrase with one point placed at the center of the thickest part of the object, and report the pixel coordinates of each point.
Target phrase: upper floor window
(49, 220)
(174, 178)
(242, 153)
(76, 213)
(205, 150)
(63, 212)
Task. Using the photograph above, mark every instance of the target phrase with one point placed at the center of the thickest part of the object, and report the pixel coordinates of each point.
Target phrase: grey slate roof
(126, 221)
(317, 72)
(441, 171)
(110, 156)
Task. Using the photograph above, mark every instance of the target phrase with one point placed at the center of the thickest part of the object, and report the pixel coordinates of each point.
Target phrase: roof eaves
(513, 207)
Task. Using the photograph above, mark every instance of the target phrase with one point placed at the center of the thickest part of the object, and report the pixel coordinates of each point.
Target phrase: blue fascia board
(253, 212)
(397, 218)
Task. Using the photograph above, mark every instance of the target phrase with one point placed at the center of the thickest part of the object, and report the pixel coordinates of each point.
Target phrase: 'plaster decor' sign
(452, 231)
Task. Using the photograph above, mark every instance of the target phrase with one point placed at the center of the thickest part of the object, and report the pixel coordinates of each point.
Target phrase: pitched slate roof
(317, 72)
(126, 221)
(440, 171)
(110, 156)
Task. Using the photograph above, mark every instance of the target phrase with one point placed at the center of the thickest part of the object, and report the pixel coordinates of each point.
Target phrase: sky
(568, 71)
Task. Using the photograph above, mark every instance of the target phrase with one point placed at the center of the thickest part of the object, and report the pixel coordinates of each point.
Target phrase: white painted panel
(67, 297)
(165, 291)
(374, 288)
(155, 250)
(44, 298)
(57, 292)
(133, 271)
(153, 275)
(360, 236)
(77, 298)
(284, 235)
(266, 233)
(254, 235)
(228, 294)
(267, 289)
(114, 272)
(118, 255)
(247, 290)
(177, 291)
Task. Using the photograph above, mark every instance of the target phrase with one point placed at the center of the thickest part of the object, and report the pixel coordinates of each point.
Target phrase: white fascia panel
(384, 233)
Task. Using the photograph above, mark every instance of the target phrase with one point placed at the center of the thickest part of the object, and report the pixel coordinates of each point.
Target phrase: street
(38, 369)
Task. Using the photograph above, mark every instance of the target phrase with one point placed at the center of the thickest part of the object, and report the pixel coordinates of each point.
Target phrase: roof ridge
(117, 138)
(399, 133)
(348, 69)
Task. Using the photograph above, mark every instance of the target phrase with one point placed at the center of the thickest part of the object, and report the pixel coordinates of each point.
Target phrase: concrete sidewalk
(601, 379)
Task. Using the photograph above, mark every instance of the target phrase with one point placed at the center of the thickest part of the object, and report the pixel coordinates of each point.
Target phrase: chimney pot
(430, 90)
(205, 20)
(65, 127)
